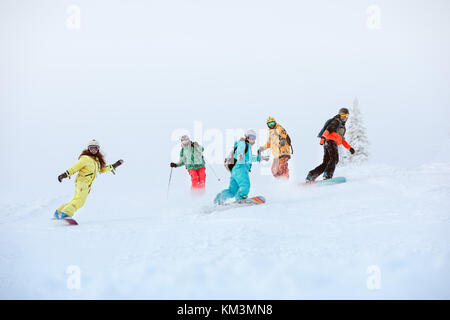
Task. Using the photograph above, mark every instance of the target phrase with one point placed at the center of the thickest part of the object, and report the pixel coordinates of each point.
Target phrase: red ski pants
(280, 168)
(198, 178)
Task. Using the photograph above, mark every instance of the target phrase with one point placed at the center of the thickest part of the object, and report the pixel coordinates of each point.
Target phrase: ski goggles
(251, 137)
(344, 115)
(271, 123)
(93, 148)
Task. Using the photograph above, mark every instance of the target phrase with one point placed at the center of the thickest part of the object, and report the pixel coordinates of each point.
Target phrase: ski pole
(168, 186)
(214, 172)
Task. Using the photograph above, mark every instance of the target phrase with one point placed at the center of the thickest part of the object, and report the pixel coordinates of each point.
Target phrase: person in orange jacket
(90, 162)
(280, 144)
(331, 136)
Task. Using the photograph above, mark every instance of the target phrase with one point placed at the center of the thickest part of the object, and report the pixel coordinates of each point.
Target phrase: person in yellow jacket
(90, 162)
(280, 144)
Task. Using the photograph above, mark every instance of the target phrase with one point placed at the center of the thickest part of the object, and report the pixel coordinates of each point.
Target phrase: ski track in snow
(305, 242)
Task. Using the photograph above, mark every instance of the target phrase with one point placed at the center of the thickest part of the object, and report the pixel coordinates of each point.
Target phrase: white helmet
(94, 143)
(185, 140)
(250, 132)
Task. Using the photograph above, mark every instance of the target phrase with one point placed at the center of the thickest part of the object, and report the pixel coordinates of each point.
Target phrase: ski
(253, 201)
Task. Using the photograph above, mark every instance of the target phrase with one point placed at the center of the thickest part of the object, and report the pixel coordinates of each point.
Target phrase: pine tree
(356, 137)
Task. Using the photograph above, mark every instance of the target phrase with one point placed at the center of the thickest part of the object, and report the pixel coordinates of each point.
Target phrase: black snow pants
(330, 160)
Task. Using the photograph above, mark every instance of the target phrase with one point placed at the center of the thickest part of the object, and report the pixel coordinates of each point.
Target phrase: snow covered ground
(385, 223)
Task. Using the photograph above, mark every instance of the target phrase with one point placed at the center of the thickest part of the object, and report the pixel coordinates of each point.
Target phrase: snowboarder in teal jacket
(191, 156)
(239, 181)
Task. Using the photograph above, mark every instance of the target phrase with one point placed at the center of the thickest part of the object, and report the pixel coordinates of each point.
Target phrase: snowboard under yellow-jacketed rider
(88, 166)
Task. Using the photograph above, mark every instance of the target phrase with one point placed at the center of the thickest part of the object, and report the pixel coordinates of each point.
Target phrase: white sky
(137, 70)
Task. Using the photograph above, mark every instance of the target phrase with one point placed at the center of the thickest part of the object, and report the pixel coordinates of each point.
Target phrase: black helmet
(343, 110)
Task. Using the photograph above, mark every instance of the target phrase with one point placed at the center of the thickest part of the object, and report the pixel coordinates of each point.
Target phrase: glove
(118, 163)
(261, 149)
(352, 151)
(282, 142)
(173, 165)
(266, 158)
(322, 140)
(62, 176)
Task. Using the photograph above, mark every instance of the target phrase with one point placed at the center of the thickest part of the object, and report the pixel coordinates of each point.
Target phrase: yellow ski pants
(82, 190)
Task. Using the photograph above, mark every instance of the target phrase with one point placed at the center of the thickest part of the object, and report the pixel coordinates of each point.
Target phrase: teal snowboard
(253, 201)
(326, 182)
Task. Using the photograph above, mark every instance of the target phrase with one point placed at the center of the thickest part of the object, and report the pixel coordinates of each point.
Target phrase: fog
(136, 71)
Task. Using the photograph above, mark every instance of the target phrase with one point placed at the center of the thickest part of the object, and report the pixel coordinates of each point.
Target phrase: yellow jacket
(277, 142)
(87, 168)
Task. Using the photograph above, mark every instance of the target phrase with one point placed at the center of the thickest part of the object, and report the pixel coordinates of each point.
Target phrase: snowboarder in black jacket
(331, 136)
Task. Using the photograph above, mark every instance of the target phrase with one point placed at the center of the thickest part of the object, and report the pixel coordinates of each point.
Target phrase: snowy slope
(306, 242)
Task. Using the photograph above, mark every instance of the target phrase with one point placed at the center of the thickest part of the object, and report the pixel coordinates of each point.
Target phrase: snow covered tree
(356, 137)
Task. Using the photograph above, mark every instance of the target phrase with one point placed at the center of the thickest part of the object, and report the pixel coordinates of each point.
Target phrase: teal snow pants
(239, 185)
